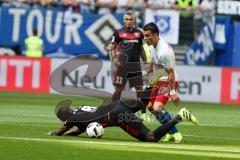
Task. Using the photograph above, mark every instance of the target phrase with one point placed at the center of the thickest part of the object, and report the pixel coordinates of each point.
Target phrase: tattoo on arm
(113, 51)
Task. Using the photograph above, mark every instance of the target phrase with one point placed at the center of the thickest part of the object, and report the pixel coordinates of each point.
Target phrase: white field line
(212, 125)
(186, 124)
(114, 129)
(153, 122)
(42, 124)
(200, 150)
(30, 115)
(213, 137)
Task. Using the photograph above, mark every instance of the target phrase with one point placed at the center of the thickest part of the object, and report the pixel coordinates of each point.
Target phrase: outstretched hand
(52, 133)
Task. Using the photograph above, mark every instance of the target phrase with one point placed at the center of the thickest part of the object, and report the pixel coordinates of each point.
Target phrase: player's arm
(150, 68)
(143, 54)
(59, 131)
(115, 41)
(114, 51)
(171, 79)
(74, 132)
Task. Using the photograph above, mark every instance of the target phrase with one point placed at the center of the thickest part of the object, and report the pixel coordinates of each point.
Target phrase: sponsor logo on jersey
(137, 34)
(131, 41)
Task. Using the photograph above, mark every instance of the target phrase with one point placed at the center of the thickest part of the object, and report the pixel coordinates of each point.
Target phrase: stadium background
(207, 51)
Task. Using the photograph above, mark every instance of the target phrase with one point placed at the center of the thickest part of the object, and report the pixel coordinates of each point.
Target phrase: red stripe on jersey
(105, 125)
(129, 35)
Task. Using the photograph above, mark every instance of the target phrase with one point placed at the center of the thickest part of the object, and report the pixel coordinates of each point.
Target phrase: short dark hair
(63, 110)
(152, 27)
(64, 113)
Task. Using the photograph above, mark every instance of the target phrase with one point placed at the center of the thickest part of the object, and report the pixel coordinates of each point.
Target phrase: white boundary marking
(151, 123)
(30, 115)
(199, 150)
(53, 125)
(133, 144)
(223, 138)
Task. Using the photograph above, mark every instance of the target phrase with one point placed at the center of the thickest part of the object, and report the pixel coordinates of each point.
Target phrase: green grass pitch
(26, 118)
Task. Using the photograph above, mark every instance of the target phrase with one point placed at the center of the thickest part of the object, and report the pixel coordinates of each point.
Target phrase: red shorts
(161, 92)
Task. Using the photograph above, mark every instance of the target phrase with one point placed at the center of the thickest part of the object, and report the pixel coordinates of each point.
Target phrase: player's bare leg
(158, 106)
(139, 90)
(117, 94)
(150, 105)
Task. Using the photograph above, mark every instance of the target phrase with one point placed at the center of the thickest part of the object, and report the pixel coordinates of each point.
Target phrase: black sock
(164, 129)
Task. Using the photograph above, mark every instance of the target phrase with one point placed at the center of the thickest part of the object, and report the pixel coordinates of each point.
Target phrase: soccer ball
(95, 130)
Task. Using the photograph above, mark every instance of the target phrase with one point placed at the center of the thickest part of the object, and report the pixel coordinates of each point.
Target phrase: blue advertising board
(202, 48)
(236, 50)
(71, 33)
(223, 41)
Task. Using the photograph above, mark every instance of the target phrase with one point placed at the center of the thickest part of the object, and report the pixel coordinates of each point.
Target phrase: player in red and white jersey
(163, 59)
(164, 83)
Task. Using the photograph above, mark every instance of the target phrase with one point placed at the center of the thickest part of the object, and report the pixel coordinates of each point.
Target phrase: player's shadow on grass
(106, 138)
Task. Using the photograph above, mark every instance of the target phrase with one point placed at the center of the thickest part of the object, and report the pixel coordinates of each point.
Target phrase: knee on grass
(150, 137)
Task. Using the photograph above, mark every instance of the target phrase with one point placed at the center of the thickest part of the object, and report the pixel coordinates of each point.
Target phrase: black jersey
(81, 118)
(105, 115)
(128, 43)
(119, 113)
